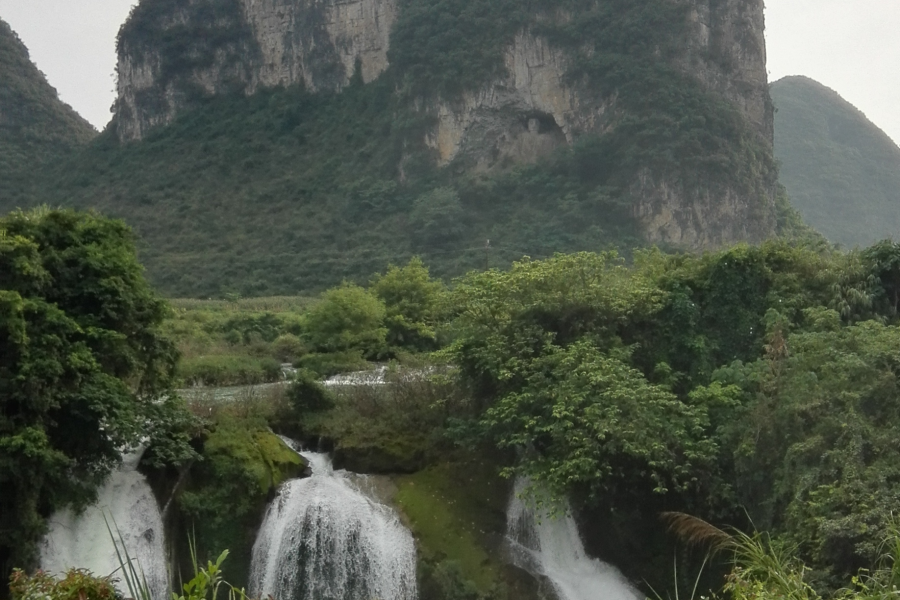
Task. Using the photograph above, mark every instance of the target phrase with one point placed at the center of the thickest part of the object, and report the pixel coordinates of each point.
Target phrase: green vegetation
(84, 368)
(222, 343)
(753, 381)
(242, 463)
(841, 171)
(412, 305)
(293, 219)
(754, 378)
(245, 341)
(396, 428)
(77, 584)
(34, 124)
(452, 507)
(764, 568)
(288, 192)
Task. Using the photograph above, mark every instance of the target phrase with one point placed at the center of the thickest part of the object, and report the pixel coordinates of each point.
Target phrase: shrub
(78, 584)
(326, 365)
(347, 318)
(288, 347)
(308, 395)
(411, 298)
(228, 369)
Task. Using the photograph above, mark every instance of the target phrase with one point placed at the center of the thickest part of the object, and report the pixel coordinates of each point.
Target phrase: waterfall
(83, 540)
(324, 539)
(550, 546)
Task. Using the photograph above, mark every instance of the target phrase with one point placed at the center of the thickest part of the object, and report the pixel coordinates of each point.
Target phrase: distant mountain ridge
(841, 171)
(34, 123)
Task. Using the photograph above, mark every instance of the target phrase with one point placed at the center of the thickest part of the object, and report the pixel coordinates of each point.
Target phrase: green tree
(585, 418)
(815, 449)
(83, 366)
(411, 299)
(347, 318)
(504, 320)
(884, 261)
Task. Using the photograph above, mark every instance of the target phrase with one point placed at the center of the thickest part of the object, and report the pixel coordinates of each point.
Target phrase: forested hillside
(290, 190)
(34, 124)
(841, 171)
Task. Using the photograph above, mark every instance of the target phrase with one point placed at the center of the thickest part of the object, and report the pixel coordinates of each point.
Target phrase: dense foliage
(841, 171)
(247, 341)
(85, 371)
(759, 379)
(752, 381)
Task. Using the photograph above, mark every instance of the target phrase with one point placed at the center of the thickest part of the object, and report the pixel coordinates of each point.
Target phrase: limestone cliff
(172, 52)
(535, 109)
(240, 45)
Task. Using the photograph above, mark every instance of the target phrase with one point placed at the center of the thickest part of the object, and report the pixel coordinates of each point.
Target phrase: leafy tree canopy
(348, 318)
(84, 372)
(412, 300)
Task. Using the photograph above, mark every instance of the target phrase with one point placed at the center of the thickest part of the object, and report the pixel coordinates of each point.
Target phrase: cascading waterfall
(324, 539)
(83, 540)
(550, 546)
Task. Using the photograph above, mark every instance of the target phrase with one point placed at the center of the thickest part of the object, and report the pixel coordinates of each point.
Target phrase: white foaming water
(83, 541)
(323, 539)
(550, 546)
(358, 378)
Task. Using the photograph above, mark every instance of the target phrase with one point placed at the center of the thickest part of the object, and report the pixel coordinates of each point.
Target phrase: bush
(411, 298)
(326, 365)
(228, 369)
(288, 348)
(308, 395)
(78, 584)
(347, 318)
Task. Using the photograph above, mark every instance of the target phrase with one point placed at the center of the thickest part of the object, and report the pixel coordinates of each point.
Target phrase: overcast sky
(852, 46)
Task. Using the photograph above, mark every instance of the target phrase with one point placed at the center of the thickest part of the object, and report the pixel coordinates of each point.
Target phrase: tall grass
(130, 568)
(206, 583)
(765, 568)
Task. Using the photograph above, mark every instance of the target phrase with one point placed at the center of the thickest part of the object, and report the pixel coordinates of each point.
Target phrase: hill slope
(841, 171)
(34, 123)
(257, 157)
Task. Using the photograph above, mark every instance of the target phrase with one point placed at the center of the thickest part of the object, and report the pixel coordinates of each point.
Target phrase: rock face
(515, 118)
(247, 45)
(533, 110)
(320, 43)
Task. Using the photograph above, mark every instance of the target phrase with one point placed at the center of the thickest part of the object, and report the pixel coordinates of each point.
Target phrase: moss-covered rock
(457, 513)
(399, 455)
(225, 498)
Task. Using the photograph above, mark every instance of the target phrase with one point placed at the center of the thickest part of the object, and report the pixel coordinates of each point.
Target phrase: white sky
(852, 46)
